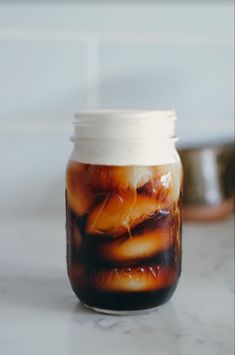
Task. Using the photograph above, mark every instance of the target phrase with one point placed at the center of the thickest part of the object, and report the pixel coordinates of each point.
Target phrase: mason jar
(123, 210)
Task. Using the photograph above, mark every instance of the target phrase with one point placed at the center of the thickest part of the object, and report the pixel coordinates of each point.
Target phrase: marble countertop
(39, 313)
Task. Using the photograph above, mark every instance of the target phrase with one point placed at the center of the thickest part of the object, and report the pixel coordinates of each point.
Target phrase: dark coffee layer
(129, 301)
(123, 235)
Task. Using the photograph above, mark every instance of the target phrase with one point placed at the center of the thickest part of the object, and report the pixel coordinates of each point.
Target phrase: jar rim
(124, 113)
(125, 137)
(125, 124)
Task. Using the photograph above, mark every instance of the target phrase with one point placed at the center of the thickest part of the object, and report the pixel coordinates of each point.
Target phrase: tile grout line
(93, 73)
(51, 35)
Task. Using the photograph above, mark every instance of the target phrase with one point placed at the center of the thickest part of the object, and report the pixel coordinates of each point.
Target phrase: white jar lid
(110, 124)
(126, 137)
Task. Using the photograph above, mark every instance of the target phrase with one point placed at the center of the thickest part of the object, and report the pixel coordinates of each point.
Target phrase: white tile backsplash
(193, 78)
(41, 80)
(55, 59)
(204, 17)
(33, 171)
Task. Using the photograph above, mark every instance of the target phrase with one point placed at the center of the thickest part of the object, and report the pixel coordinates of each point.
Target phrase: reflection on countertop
(40, 314)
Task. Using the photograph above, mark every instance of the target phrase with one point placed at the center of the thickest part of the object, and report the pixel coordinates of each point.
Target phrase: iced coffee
(123, 234)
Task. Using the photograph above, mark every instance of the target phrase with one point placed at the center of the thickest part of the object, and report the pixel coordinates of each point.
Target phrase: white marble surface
(40, 315)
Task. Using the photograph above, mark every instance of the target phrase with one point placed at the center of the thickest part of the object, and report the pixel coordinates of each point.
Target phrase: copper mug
(209, 181)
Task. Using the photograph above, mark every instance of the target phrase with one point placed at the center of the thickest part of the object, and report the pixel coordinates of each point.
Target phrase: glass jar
(123, 198)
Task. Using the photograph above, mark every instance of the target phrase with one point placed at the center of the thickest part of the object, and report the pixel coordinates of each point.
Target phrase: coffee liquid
(123, 234)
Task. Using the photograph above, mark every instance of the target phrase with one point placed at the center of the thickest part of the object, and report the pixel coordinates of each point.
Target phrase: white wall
(55, 59)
